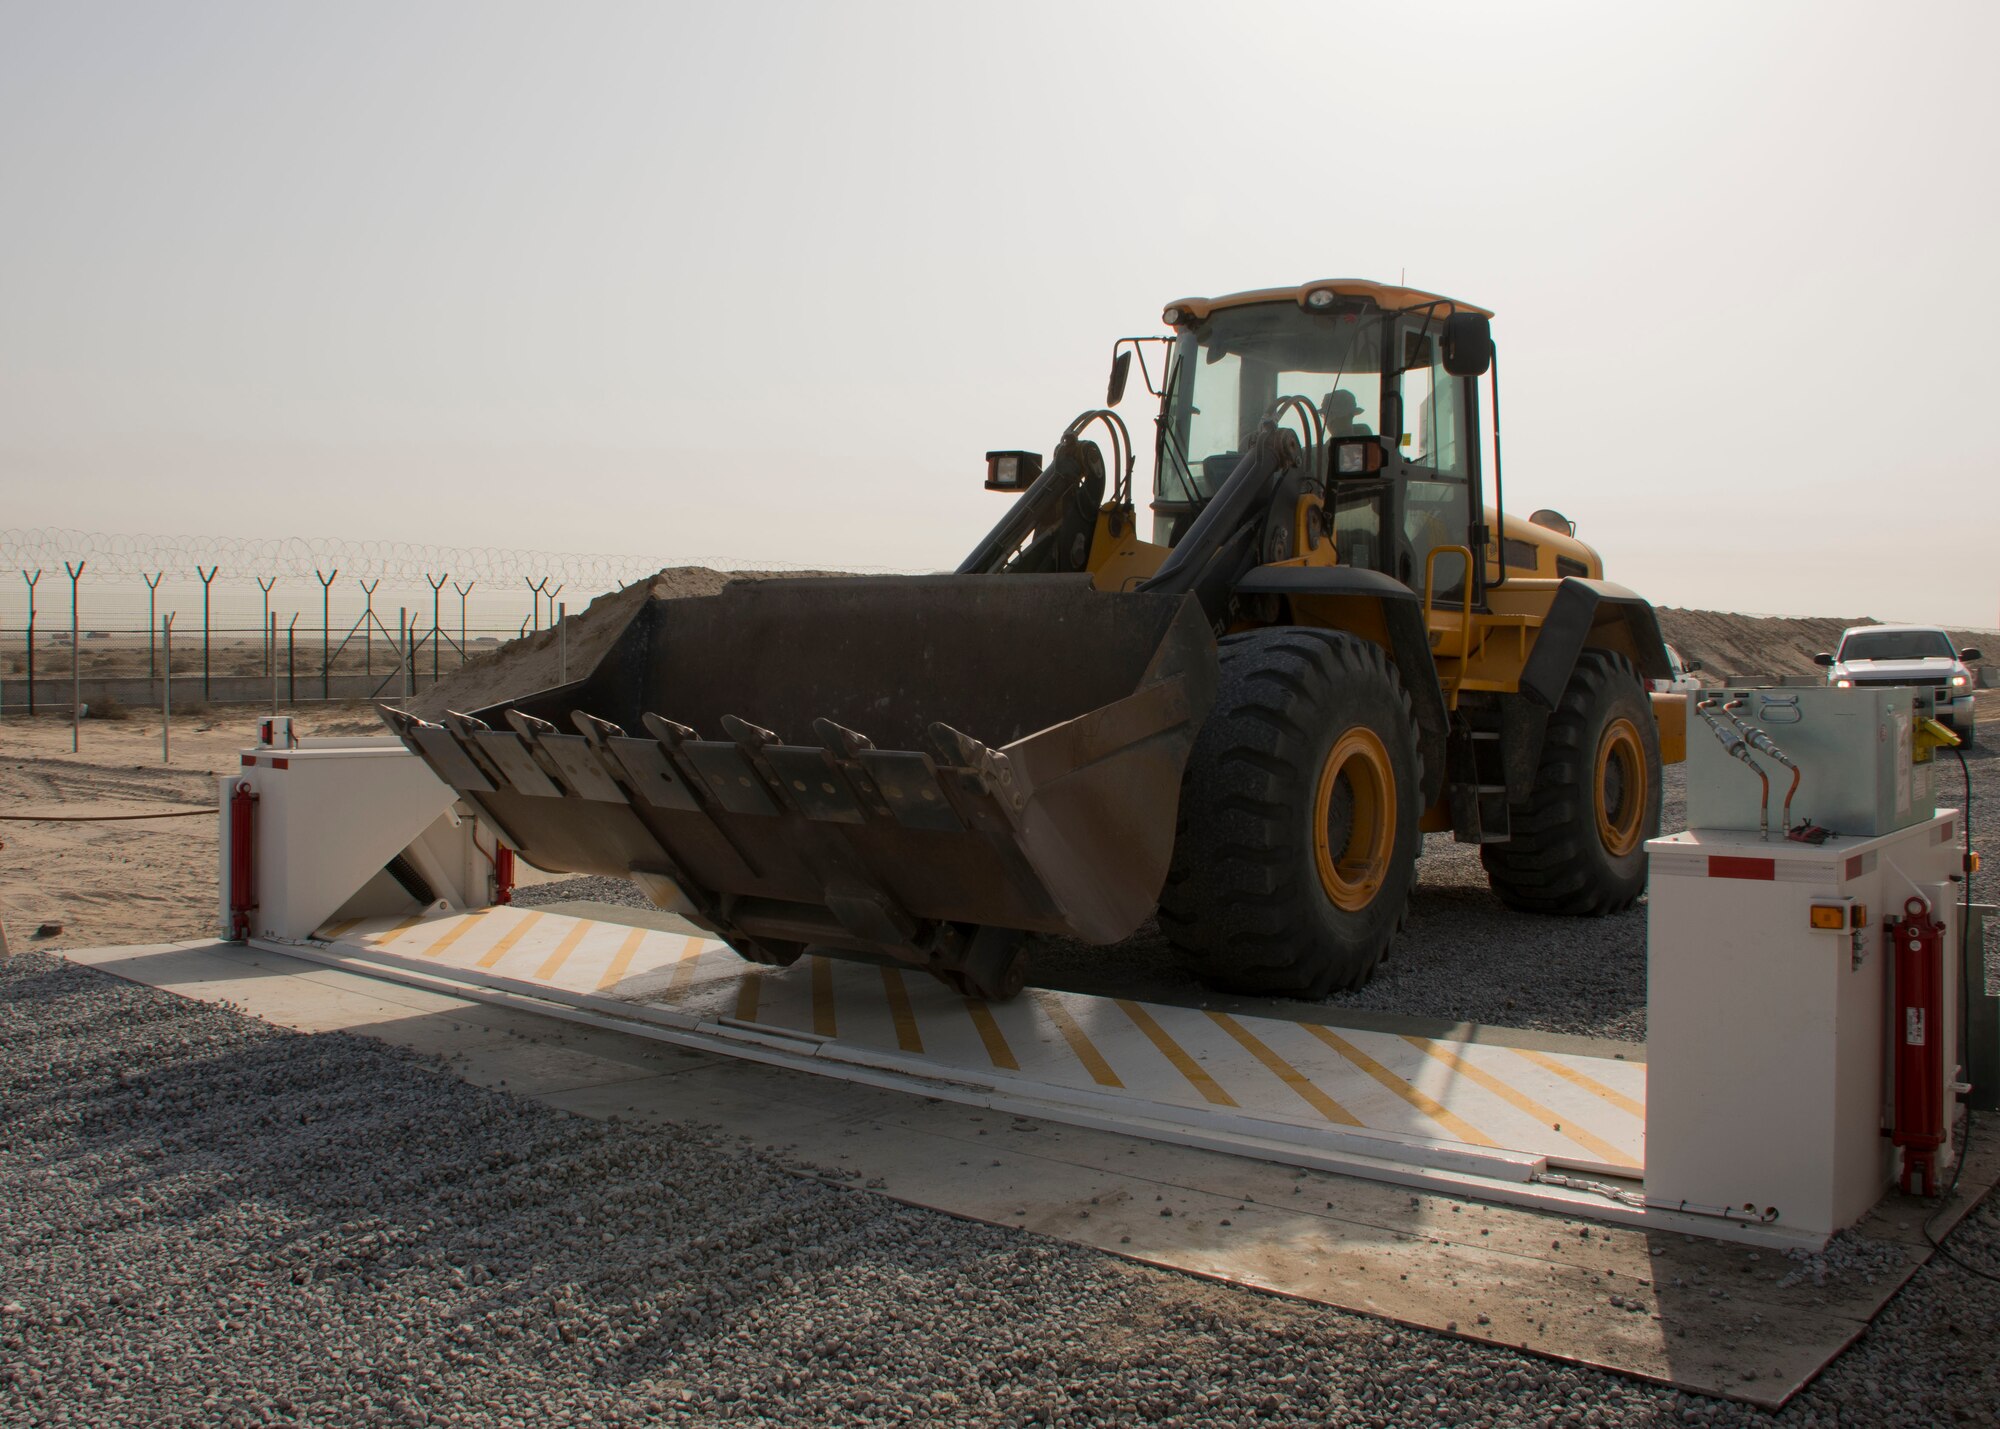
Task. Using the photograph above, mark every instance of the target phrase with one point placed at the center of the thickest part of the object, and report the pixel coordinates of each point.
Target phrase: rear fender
(1378, 608)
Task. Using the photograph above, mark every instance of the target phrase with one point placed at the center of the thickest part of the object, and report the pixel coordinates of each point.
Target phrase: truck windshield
(1896, 645)
(1230, 372)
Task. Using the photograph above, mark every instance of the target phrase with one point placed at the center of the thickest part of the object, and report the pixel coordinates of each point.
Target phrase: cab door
(1435, 471)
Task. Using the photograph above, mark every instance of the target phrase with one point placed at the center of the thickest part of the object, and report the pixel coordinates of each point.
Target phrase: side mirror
(1468, 344)
(1690, 665)
(1351, 458)
(1969, 656)
(1120, 366)
(1822, 658)
(1012, 471)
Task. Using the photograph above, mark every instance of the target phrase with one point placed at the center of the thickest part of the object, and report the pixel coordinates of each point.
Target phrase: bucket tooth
(750, 736)
(993, 770)
(954, 746)
(672, 735)
(527, 725)
(400, 722)
(594, 729)
(448, 757)
(844, 742)
(846, 746)
(466, 731)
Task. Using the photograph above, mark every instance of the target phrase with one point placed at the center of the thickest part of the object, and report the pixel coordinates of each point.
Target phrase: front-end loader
(1333, 639)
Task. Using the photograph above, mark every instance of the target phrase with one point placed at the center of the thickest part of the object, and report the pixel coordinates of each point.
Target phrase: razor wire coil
(243, 559)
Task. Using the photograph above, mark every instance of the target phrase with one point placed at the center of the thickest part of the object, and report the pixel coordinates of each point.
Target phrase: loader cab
(1365, 368)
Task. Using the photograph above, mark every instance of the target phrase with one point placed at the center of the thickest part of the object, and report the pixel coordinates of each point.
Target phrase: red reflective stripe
(1853, 868)
(281, 764)
(249, 761)
(1722, 866)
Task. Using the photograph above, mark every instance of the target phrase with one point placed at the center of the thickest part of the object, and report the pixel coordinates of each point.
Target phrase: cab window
(1433, 432)
(1436, 500)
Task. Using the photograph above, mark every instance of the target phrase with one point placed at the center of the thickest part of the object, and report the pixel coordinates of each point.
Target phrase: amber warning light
(1832, 915)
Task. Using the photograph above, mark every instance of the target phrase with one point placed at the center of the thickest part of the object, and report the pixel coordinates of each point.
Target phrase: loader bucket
(876, 764)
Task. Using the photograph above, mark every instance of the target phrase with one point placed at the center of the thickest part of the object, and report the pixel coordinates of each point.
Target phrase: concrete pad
(1697, 1314)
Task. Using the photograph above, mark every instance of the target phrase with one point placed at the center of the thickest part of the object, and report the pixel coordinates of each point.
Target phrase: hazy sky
(764, 282)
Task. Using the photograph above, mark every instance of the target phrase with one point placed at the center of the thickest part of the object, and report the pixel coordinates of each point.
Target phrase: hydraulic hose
(1760, 740)
(1733, 743)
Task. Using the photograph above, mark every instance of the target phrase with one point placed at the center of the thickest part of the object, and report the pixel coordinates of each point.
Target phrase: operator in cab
(1338, 409)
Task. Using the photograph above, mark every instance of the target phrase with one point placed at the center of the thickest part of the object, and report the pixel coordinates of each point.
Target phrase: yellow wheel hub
(1620, 788)
(1354, 819)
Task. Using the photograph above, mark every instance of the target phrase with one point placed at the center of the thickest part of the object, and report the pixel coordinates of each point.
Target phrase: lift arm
(1222, 545)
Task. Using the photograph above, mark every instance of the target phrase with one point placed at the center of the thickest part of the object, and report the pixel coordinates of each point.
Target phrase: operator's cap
(1342, 400)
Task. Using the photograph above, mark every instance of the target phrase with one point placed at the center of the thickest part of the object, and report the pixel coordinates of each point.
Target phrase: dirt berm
(534, 662)
(1771, 645)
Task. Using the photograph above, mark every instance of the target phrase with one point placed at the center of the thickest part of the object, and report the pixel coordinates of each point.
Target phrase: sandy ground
(128, 881)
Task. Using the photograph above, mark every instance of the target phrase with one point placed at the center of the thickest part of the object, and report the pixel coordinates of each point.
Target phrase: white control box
(1855, 750)
(1768, 1039)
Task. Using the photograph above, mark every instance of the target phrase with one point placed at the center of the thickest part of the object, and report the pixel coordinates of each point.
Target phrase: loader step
(1480, 813)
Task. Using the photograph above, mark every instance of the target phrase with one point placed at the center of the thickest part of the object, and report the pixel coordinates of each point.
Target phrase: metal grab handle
(1430, 587)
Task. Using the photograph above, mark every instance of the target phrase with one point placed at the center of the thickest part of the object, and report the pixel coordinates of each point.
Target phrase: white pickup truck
(1916, 655)
(1681, 674)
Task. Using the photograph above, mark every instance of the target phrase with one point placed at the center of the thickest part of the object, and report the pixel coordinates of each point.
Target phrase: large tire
(1579, 839)
(1298, 836)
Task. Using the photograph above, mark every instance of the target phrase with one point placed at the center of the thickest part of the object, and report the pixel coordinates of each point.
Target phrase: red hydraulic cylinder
(503, 873)
(241, 867)
(1917, 1054)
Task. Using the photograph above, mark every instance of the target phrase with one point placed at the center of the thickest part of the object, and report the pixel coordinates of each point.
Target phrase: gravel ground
(212, 1221)
(1462, 956)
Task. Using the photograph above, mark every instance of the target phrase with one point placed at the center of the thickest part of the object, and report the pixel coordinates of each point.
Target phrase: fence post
(406, 626)
(368, 625)
(292, 660)
(152, 622)
(463, 592)
(325, 629)
(268, 627)
(75, 662)
(562, 644)
(436, 586)
(167, 693)
(206, 580)
(32, 581)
